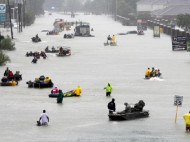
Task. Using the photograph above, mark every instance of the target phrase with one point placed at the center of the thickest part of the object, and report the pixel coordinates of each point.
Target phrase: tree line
(183, 21)
(123, 8)
(32, 9)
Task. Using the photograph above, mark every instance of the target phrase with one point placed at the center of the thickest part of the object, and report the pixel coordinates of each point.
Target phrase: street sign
(2, 17)
(178, 100)
(2, 8)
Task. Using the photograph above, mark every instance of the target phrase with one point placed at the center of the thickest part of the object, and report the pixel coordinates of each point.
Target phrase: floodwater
(92, 66)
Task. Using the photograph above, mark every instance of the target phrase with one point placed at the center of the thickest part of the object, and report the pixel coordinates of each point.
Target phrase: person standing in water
(60, 97)
(111, 106)
(108, 89)
(187, 121)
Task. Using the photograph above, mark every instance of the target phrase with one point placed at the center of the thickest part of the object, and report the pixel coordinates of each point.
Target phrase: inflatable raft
(6, 84)
(34, 39)
(67, 94)
(50, 51)
(39, 84)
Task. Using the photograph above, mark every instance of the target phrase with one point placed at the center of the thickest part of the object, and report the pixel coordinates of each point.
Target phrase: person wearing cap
(44, 117)
(187, 121)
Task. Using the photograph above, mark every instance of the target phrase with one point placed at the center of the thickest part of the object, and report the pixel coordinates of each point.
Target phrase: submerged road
(92, 66)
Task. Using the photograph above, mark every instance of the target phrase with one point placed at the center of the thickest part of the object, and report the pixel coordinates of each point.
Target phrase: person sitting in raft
(77, 91)
(13, 83)
(30, 53)
(10, 74)
(4, 79)
(47, 79)
(55, 90)
(27, 54)
(147, 73)
(60, 50)
(108, 38)
(37, 80)
(43, 54)
(47, 48)
(152, 73)
(37, 36)
(113, 38)
(41, 78)
(17, 73)
(6, 73)
(127, 109)
(53, 48)
(159, 74)
(156, 72)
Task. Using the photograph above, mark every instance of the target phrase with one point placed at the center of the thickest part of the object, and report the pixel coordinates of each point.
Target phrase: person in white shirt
(44, 117)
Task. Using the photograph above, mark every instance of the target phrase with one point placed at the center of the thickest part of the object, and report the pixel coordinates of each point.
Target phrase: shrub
(7, 44)
(3, 58)
(29, 18)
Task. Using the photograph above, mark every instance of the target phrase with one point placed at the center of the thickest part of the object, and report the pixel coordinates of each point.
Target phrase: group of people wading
(36, 55)
(152, 73)
(111, 39)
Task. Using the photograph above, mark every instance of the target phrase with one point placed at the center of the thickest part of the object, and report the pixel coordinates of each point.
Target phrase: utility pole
(20, 16)
(10, 20)
(115, 10)
(24, 4)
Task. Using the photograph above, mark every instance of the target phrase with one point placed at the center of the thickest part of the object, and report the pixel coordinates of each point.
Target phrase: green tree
(29, 18)
(7, 44)
(183, 21)
(36, 6)
(3, 58)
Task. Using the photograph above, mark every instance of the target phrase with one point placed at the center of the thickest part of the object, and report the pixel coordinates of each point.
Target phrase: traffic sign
(178, 100)
(2, 8)
(2, 17)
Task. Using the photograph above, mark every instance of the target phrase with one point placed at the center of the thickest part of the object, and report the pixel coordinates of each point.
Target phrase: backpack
(110, 105)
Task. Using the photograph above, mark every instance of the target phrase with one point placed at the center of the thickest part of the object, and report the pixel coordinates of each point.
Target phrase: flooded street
(92, 65)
